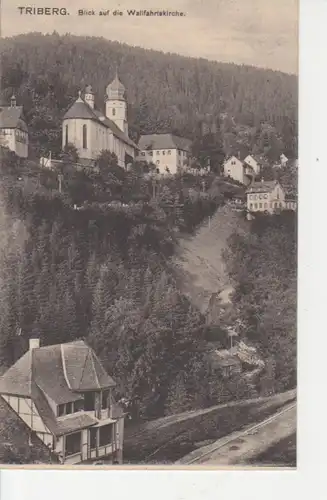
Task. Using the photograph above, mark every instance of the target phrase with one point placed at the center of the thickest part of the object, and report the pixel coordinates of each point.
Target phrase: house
(92, 131)
(290, 201)
(167, 152)
(241, 171)
(265, 196)
(283, 160)
(13, 129)
(254, 163)
(223, 362)
(64, 395)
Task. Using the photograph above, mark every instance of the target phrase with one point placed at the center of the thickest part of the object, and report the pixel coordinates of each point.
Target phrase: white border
(311, 473)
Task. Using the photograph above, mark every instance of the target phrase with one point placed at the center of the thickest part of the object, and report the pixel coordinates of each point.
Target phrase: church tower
(89, 96)
(116, 105)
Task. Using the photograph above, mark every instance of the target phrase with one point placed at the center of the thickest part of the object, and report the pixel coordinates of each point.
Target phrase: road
(242, 447)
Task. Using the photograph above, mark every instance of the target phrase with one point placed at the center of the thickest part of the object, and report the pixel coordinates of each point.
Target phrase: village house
(13, 129)
(269, 197)
(64, 395)
(92, 131)
(167, 152)
(243, 171)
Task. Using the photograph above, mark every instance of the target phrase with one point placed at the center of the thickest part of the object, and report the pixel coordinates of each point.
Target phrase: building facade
(242, 171)
(13, 129)
(268, 197)
(64, 396)
(168, 152)
(92, 131)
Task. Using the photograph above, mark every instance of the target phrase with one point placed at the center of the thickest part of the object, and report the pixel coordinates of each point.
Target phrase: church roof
(116, 85)
(164, 141)
(80, 109)
(12, 117)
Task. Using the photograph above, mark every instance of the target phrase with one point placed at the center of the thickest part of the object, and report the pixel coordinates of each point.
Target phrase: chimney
(34, 343)
(239, 155)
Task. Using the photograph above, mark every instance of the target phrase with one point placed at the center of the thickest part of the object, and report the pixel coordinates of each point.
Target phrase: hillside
(202, 270)
(255, 109)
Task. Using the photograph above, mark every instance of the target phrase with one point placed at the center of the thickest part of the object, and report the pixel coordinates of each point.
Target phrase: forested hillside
(253, 109)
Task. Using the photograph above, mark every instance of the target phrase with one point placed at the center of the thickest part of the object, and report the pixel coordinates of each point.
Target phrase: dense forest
(93, 258)
(250, 109)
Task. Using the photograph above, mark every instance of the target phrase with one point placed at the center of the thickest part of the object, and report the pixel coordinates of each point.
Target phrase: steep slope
(201, 269)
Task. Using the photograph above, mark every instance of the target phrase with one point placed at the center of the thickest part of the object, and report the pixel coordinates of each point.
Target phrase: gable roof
(262, 187)
(81, 109)
(61, 371)
(12, 117)
(164, 141)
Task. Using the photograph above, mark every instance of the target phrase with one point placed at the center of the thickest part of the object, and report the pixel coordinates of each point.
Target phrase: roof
(262, 187)
(116, 85)
(164, 141)
(12, 117)
(80, 109)
(61, 371)
(74, 423)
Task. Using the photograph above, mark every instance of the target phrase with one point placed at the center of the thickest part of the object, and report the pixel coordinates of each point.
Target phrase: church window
(113, 112)
(66, 138)
(84, 137)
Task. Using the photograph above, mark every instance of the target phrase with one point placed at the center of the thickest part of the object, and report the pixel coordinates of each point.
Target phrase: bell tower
(116, 105)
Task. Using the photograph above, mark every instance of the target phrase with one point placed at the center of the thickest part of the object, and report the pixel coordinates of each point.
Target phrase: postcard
(148, 247)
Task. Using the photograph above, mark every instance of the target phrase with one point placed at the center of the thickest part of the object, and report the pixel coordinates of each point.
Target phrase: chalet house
(167, 152)
(92, 131)
(13, 129)
(268, 197)
(243, 171)
(64, 395)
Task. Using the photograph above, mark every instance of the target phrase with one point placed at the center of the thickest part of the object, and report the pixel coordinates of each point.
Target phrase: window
(280, 205)
(275, 205)
(266, 205)
(93, 437)
(158, 152)
(265, 196)
(61, 410)
(151, 153)
(66, 138)
(250, 206)
(169, 152)
(260, 205)
(255, 206)
(69, 408)
(113, 112)
(143, 153)
(233, 162)
(179, 152)
(73, 443)
(89, 401)
(84, 137)
(277, 194)
(105, 435)
(157, 162)
(164, 152)
(105, 399)
(79, 405)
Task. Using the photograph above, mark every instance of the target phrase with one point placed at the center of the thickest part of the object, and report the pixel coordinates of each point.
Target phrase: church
(91, 131)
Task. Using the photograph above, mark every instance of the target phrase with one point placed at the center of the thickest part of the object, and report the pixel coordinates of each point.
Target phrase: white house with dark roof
(13, 129)
(243, 171)
(92, 131)
(167, 152)
(64, 395)
(265, 196)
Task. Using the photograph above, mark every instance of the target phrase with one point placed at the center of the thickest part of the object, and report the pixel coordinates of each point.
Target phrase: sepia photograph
(148, 233)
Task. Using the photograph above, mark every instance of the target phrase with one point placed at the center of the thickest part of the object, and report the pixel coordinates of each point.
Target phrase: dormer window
(105, 399)
(89, 401)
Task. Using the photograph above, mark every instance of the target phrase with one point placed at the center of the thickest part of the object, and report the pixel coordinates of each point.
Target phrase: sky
(261, 33)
